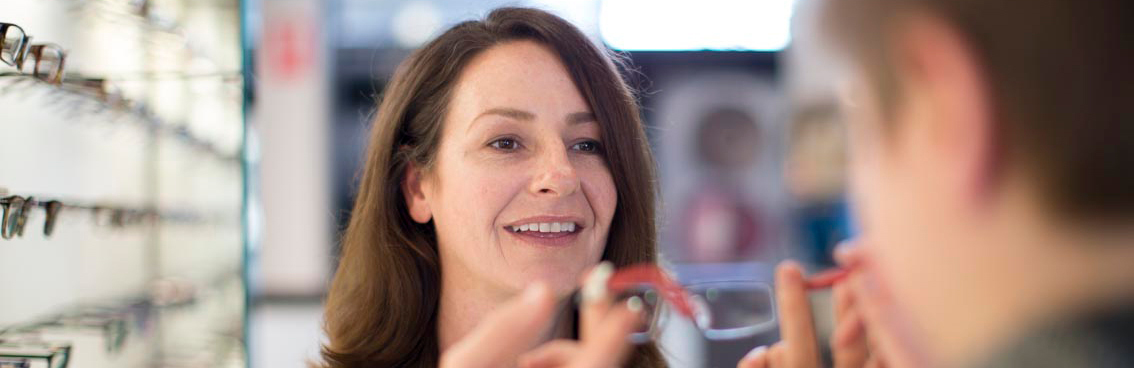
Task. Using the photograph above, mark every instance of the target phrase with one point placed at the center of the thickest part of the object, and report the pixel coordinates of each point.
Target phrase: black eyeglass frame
(17, 209)
(19, 51)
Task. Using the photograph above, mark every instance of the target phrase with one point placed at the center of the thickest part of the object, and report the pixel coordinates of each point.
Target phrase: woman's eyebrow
(522, 115)
(581, 117)
(508, 112)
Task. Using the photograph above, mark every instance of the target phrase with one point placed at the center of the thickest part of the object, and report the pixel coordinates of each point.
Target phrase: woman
(505, 151)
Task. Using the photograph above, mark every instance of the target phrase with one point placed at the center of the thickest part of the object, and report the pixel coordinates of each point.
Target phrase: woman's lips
(547, 230)
(546, 233)
(558, 239)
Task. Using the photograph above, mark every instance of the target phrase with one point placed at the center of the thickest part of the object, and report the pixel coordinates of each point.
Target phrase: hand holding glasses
(42, 61)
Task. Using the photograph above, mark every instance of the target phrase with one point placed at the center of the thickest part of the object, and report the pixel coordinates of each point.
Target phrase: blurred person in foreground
(992, 170)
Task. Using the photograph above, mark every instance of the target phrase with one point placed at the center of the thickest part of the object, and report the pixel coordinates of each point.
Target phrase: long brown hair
(382, 306)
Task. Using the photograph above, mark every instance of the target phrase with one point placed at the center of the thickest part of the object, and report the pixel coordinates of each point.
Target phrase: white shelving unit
(157, 292)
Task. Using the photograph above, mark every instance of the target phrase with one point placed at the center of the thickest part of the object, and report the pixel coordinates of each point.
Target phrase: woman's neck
(465, 301)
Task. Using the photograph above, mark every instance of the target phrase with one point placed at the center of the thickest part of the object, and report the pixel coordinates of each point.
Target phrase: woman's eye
(587, 146)
(504, 144)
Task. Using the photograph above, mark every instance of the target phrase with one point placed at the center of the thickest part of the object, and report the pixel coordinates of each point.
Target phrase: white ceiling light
(415, 23)
(747, 25)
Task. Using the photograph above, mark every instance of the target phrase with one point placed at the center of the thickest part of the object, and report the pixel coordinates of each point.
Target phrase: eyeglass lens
(651, 310)
(46, 63)
(11, 44)
(13, 212)
(733, 309)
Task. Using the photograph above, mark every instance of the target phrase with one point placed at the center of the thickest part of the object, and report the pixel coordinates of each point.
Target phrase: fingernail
(844, 249)
(595, 287)
(634, 304)
(756, 352)
(791, 268)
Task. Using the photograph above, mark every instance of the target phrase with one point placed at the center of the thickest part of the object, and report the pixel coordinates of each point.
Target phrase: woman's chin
(563, 279)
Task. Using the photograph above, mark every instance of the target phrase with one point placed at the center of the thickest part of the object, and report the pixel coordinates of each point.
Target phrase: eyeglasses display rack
(121, 184)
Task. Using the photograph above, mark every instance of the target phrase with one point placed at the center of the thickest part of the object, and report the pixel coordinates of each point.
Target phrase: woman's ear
(414, 191)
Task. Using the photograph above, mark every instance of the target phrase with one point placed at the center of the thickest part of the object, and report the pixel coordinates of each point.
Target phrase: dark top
(1103, 339)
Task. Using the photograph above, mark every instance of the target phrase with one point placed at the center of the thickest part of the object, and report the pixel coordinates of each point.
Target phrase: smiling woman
(506, 151)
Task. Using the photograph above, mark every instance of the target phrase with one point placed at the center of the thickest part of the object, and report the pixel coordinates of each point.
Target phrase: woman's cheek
(598, 185)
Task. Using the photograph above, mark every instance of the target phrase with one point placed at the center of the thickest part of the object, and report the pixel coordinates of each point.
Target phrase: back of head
(1060, 75)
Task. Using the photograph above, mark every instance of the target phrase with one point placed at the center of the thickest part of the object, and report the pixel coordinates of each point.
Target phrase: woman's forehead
(521, 75)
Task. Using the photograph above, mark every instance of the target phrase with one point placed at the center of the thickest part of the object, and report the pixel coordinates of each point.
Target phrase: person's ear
(415, 194)
(962, 136)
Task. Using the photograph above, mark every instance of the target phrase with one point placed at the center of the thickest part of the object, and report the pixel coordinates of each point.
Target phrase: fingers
(765, 357)
(777, 357)
(875, 362)
(505, 333)
(890, 332)
(604, 327)
(849, 332)
(553, 354)
(849, 253)
(757, 358)
(608, 345)
(849, 346)
(797, 330)
(596, 299)
(844, 300)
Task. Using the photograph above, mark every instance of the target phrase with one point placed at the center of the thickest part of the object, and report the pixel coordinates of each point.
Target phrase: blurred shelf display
(122, 185)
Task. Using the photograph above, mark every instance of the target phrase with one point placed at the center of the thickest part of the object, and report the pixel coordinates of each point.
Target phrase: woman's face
(520, 190)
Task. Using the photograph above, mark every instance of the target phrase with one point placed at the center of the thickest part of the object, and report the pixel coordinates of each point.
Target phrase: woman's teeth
(546, 227)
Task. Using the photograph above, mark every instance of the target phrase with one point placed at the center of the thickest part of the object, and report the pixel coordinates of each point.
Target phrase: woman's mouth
(546, 233)
(545, 227)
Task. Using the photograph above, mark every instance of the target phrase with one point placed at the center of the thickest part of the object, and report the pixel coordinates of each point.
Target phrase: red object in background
(720, 227)
(289, 47)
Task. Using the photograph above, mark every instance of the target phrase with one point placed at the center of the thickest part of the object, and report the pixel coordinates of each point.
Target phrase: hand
(799, 346)
(870, 330)
(873, 318)
(506, 336)
(605, 328)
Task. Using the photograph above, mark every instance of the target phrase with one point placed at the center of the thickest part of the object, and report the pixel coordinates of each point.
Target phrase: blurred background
(204, 152)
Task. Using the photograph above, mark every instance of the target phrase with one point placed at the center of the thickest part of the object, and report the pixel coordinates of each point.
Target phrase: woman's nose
(555, 174)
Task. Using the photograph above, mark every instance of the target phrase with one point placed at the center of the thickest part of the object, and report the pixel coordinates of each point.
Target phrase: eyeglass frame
(685, 303)
(53, 76)
(62, 351)
(15, 219)
(99, 88)
(12, 362)
(25, 49)
(20, 51)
